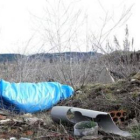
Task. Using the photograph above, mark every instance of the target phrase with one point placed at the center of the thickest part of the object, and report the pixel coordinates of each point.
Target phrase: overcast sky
(22, 23)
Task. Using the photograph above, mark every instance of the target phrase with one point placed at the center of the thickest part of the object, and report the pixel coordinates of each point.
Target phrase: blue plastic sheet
(32, 97)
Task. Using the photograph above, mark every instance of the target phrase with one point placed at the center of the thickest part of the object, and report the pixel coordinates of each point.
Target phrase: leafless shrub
(60, 32)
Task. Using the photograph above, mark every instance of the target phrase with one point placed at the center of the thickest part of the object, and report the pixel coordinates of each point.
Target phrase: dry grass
(83, 76)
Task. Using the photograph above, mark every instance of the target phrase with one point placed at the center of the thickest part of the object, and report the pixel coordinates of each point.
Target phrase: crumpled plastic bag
(32, 97)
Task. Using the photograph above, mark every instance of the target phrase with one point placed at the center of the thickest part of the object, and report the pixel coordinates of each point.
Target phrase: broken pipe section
(74, 115)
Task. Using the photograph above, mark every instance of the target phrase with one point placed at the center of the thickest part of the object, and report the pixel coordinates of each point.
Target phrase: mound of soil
(121, 95)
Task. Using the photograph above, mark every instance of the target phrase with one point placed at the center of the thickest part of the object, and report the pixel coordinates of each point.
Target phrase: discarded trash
(13, 138)
(32, 97)
(2, 117)
(55, 135)
(86, 128)
(118, 117)
(20, 127)
(24, 138)
(7, 121)
(34, 121)
(104, 120)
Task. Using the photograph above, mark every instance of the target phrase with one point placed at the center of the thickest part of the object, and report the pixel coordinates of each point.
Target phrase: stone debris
(105, 76)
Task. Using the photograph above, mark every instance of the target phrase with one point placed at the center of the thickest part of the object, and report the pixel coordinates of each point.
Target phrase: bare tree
(61, 29)
(98, 42)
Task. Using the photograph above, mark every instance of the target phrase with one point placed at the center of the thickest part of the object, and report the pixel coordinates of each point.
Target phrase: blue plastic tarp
(32, 97)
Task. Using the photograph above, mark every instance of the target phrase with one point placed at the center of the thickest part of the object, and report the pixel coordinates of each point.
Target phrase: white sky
(21, 20)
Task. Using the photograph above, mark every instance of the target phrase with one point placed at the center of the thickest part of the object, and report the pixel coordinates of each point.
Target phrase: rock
(133, 123)
(7, 121)
(79, 92)
(91, 138)
(105, 76)
(33, 121)
(133, 80)
(24, 138)
(13, 138)
(27, 115)
(2, 117)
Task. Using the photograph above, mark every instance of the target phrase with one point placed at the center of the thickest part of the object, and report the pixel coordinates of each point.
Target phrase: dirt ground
(123, 95)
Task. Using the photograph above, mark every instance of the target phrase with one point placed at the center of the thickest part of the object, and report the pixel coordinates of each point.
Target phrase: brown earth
(121, 95)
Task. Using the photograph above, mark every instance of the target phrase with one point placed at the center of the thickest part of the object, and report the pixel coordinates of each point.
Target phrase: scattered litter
(118, 117)
(104, 120)
(13, 129)
(86, 128)
(13, 138)
(32, 97)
